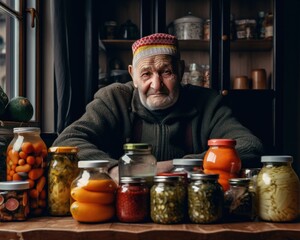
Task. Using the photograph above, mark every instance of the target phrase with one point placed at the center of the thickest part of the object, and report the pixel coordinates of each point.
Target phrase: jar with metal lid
(138, 161)
(188, 27)
(26, 159)
(222, 158)
(278, 190)
(62, 170)
(239, 201)
(187, 165)
(93, 192)
(133, 200)
(205, 198)
(14, 204)
(167, 200)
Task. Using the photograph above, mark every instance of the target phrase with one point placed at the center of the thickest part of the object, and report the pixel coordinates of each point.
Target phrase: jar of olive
(205, 198)
(239, 200)
(62, 171)
(167, 197)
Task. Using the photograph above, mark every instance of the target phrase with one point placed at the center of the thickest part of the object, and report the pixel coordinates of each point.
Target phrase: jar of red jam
(222, 158)
(132, 203)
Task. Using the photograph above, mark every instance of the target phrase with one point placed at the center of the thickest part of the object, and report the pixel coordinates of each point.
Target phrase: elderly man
(155, 108)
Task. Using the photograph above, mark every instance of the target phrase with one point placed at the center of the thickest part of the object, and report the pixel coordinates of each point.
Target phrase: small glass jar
(222, 158)
(239, 201)
(167, 200)
(62, 171)
(14, 204)
(26, 159)
(138, 161)
(187, 165)
(132, 202)
(206, 30)
(93, 193)
(278, 190)
(205, 198)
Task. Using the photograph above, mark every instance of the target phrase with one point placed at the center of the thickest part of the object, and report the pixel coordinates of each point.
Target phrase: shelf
(251, 45)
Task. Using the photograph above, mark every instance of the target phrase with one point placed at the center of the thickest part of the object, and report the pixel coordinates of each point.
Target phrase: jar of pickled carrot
(222, 158)
(93, 193)
(26, 159)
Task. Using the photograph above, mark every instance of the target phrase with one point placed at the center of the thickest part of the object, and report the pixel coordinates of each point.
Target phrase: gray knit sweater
(116, 116)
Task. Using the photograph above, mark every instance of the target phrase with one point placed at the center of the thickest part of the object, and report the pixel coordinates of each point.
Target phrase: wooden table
(54, 228)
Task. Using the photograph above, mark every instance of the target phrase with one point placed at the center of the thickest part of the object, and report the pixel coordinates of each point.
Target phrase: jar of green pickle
(205, 198)
(61, 172)
(167, 197)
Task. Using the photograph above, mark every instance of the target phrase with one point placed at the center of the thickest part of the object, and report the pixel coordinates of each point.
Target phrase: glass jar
(132, 202)
(239, 201)
(278, 190)
(138, 161)
(205, 198)
(222, 158)
(26, 159)
(93, 193)
(206, 30)
(187, 165)
(62, 171)
(167, 200)
(14, 204)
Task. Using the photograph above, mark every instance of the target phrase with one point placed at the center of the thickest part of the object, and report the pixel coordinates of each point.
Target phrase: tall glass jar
(187, 165)
(138, 161)
(222, 158)
(133, 200)
(167, 200)
(278, 190)
(62, 171)
(93, 193)
(205, 198)
(239, 201)
(26, 159)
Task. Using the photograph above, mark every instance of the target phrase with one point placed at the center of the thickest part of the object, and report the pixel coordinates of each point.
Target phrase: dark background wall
(291, 81)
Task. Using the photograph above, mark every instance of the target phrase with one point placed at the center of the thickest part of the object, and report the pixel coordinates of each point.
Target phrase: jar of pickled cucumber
(167, 200)
(14, 204)
(138, 161)
(205, 198)
(239, 200)
(26, 159)
(62, 170)
(278, 190)
(93, 192)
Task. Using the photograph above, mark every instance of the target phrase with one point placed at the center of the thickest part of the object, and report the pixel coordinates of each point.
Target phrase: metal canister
(61, 172)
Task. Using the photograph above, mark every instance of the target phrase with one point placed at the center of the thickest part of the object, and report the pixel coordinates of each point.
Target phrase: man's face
(157, 79)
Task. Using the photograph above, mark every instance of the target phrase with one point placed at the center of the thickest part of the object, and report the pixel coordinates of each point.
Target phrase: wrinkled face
(157, 79)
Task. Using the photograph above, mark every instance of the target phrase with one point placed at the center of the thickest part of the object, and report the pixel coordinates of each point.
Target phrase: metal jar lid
(203, 176)
(277, 159)
(137, 146)
(187, 161)
(188, 19)
(14, 185)
(239, 181)
(26, 129)
(93, 163)
(159, 179)
(132, 180)
(63, 149)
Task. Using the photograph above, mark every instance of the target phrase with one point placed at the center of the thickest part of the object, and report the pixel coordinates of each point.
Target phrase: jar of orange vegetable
(93, 193)
(26, 160)
(222, 158)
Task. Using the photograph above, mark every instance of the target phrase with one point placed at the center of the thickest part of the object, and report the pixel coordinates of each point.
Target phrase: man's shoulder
(116, 89)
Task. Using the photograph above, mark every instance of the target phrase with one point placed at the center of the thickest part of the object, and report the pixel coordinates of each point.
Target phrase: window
(19, 51)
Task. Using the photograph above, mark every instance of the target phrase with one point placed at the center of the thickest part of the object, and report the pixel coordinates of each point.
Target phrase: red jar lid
(222, 142)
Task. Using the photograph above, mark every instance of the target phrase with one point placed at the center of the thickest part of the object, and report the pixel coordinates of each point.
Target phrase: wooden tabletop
(50, 228)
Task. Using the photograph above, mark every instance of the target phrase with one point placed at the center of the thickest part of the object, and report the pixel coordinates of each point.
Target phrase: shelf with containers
(226, 57)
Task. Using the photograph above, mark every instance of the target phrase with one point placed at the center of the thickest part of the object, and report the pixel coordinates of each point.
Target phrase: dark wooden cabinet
(227, 57)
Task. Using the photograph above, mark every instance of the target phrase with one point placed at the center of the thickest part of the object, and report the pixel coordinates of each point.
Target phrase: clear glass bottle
(205, 198)
(187, 165)
(26, 159)
(278, 190)
(222, 158)
(14, 204)
(167, 200)
(62, 170)
(239, 201)
(133, 200)
(93, 193)
(138, 161)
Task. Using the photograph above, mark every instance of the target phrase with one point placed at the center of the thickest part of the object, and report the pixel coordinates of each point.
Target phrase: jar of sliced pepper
(132, 202)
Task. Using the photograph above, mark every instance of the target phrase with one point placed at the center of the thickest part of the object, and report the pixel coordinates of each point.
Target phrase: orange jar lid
(222, 142)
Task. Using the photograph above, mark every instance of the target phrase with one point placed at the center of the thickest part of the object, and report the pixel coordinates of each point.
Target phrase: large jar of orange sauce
(222, 158)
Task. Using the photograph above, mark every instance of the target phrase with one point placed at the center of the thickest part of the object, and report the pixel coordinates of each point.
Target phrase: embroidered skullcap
(155, 44)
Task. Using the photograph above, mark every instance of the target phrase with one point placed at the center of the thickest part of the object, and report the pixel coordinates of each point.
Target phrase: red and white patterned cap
(155, 44)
